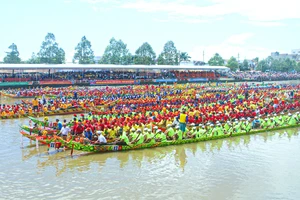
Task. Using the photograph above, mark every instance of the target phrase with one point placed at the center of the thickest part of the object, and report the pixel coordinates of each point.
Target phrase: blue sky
(249, 28)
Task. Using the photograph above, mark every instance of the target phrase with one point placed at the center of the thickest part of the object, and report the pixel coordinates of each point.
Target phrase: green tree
(12, 56)
(184, 56)
(83, 52)
(288, 65)
(34, 59)
(216, 60)
(232, 64)
(50, 53)
(161, 60)
(244, 66)
(144, 55)
(256, 60)
(276, 65)
(116, 53)
(297, 67)
(169, 56)
(262, 66)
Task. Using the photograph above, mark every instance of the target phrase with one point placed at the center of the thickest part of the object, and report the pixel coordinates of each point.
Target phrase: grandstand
(107, 74)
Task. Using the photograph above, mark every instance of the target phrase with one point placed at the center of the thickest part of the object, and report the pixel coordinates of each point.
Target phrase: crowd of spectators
(86, 76)
(264, 76)
(98, 75)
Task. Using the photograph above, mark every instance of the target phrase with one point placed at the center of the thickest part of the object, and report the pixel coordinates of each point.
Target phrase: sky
(248, 28)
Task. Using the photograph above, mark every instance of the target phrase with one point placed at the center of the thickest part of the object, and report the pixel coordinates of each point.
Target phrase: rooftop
(106, 67)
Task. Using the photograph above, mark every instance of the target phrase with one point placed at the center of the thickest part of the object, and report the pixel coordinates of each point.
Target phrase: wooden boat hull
(114, 148)
(50, 113)
(31, 130)
(33, 137)
(15, 96)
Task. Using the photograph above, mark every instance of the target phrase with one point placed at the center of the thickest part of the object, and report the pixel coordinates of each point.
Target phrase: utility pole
(238, 60)
(203, 55)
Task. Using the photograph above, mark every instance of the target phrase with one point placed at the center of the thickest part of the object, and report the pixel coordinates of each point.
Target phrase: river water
(261, 166)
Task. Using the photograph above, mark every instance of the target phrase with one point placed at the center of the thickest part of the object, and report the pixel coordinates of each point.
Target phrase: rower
(201, 131)
(255, 123)
(101, 138)
(178, 133)
(140, 138)
(149, 136)
(46, 122)
(123, 139)
(170, 132)
(88, 134)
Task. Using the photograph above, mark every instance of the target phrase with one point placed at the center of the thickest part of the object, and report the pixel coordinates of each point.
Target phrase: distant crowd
(264, 76)
(106, 75)
(180, 75)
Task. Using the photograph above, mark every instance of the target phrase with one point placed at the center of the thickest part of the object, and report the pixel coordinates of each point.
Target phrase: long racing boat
(92, 148)
(49, 113)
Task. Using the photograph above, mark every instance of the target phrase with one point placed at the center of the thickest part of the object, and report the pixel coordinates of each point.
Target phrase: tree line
(268, 64)
(115, 53)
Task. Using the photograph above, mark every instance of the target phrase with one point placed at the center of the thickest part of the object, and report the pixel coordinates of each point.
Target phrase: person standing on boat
(35, 104)
(59, 124)
(64, 131)
(44, 100)
(183, 119)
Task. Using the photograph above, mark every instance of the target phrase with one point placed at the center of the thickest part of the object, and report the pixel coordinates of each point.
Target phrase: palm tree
(184, 56)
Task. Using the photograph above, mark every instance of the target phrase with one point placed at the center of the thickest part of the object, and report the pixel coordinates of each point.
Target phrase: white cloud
(255, 10)
(238, 39)
(232, 46)
(226, 51)
(100, 1)
(266, 23)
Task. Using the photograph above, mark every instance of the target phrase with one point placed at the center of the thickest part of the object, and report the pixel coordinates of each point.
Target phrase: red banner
(109, 82)
(17, 79)
(55, 82)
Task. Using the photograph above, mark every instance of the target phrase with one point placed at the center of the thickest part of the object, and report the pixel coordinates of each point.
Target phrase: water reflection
(82, 162)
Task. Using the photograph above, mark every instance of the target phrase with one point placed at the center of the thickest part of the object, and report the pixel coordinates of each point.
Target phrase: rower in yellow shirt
(53, 108)
(45, 109)
(21, 112)
(30, 110)
(3, 114)
(11, 112)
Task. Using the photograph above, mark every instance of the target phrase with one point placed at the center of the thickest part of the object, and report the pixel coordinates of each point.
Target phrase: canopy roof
(106, 67)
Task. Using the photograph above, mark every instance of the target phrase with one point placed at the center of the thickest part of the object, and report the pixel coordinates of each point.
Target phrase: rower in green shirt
(220, 129)
(170, 132)
(160, 136)
(140, 138)
(124, 138)
(292, 120)
(248, 125)
(149, 136)
(178, 133)
(226, 127)
(237, 127)
(193, 132)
